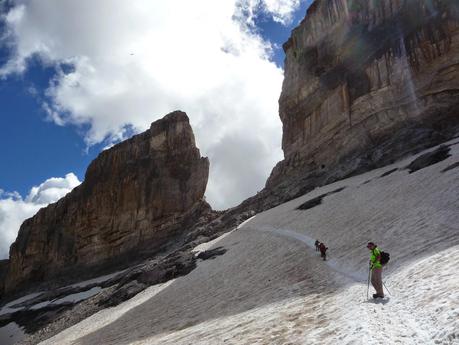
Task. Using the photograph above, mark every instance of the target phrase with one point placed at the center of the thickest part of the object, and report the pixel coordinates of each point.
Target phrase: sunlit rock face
(360, 72)
(136, 197)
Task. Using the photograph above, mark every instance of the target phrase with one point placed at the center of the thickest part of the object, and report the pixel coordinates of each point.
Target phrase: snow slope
(271, 287)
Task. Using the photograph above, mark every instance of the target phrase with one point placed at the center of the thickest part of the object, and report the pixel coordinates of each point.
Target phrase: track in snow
(385, 321)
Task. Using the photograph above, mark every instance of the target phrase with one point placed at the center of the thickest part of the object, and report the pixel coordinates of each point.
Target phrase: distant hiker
(323, 251)
(316, 243)
(376, 270)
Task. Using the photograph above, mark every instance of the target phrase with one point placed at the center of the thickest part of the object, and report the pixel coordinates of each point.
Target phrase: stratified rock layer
(136, 197)
(358, 73)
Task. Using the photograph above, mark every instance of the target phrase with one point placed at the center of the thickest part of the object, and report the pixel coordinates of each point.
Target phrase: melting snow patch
(73, 298)
(10, 307)
(10, 334)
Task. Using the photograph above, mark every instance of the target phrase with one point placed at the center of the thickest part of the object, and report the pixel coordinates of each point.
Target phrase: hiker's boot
(375, 295)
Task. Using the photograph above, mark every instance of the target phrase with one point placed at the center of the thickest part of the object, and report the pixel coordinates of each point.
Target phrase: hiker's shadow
(384, 300)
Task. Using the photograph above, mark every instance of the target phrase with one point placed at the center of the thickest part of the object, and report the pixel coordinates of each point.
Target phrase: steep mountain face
(366, 82)
(3, 271)
(136, 197)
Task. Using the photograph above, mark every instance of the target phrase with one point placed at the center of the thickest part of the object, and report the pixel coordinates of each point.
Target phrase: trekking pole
(386, 288)
(368, 284)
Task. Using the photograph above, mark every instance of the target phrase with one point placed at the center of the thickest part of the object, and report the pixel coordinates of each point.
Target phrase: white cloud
(14, 209)
(280, 10)
(133, 62)
(52, 189)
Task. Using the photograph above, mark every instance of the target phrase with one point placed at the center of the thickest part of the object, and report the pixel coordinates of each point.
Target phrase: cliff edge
(365, 83)
(136, 196)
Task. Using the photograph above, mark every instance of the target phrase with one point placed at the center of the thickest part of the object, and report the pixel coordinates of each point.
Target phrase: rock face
(3, 272)
(359, 73)
(136, 196)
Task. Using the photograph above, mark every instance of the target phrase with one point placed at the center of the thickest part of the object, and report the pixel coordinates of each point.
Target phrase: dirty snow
(73, 298)
(11, 333)
(98, 280)
(271, 287)
(10, 307)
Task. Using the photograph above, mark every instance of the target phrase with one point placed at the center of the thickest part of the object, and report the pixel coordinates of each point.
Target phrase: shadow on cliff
(244, 278)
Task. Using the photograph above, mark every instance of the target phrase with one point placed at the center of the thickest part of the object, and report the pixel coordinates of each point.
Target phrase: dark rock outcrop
(150, 273)
(366, 82)
(3, 272)
(211, 253)
(136, 197)
(429, 158)
(317, 200)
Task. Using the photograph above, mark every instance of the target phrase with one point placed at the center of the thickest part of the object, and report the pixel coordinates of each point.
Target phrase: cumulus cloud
(281, 10)
(14, 209)
(123, 64)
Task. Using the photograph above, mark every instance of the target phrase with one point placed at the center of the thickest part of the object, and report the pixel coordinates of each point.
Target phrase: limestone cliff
(136, 196)
(360, 73)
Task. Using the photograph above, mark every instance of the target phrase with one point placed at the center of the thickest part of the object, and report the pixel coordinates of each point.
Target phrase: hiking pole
(368, 284)
(386, 288)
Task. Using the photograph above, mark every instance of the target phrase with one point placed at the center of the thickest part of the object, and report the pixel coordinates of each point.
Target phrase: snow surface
(74, 298)
(271, 287)
(10, 307)
(97, 280)
(11, 333)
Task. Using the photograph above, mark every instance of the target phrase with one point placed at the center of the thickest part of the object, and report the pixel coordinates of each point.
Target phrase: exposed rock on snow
(150, 273)
(211, 254)
(317, 200)
(429, 158)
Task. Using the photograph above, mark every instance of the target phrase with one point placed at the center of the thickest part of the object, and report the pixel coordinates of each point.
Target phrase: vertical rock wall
(358, 72)
(136, 196)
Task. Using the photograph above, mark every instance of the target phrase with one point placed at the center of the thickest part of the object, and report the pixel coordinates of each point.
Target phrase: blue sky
(34, 149)
(50, 129)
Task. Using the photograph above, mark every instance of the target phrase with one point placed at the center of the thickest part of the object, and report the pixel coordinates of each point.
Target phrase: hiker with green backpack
(377, 260)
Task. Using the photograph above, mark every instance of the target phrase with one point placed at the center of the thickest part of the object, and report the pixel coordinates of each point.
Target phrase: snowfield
(271, 286)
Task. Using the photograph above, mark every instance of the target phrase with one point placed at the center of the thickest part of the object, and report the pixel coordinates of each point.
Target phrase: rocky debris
(47, 320)
(211, 253)
(317, 200)
(364, 84)
(37, 312)
(116, 290)
(177, 259)
(122, 294)
(31, 320)
(136, 198)
(66, 319)
(150, 273)
(429, 158)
